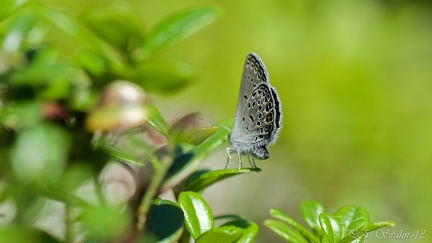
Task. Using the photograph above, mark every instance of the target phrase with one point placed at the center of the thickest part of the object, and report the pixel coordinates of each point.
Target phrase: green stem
(161, 167)
(69, 238)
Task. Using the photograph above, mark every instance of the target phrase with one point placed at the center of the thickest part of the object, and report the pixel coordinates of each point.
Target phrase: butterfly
(258, 117)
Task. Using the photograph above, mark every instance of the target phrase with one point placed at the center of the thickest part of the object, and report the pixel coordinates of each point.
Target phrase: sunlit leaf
(290, 221)
(249, 229)
(331, 228)
(310, 211)
(197, 213)
(179, 26)
(377, 225)
(352, 218)
(284, 231)
(223, 234)
(207, 179)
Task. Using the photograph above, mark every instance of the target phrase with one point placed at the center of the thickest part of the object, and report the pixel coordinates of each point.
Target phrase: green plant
(348, 224)
(66, 118)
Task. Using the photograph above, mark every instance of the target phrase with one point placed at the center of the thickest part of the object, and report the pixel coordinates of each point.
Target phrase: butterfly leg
(229, 159)
(240, 161)
(252, 162)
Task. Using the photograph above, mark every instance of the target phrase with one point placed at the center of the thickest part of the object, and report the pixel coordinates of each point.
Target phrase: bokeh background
(355, 80)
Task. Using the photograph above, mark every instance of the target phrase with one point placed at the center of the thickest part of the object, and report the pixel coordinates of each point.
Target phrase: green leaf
(179, 26)
(212, 142)
(223, 234)
(155, 119)
(40, 153)
(103, 222)
(22, 114)
(190, 129)
(25, 26)
(358, 235)
(207, 179)
(116, 24)
(331, 228)
(186, 161)
(10, 6)
(197, 213)
(275, 213)
(311, 211)
(92, 61)
(376, 225)
(250, 229)
(284, 231)
(352, 218)
(67, 25)
(163, 77)
(165, 221)
(25, 234)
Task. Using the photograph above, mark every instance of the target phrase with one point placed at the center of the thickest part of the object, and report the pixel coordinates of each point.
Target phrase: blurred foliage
(354, 78)
(64, 122)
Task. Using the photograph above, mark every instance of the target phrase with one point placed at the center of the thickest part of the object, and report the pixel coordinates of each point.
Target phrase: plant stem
(161, 167)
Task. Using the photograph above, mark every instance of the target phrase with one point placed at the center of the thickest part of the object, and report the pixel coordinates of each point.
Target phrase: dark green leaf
(290, 221)
(250, 229)
(9, 6)
(284, 231)
(207, 179)
(311, 211)
(197, 213)
(331, 228)
(164, 77)
(178, 27)
(223, 234)
(116, 24)
(165, 221)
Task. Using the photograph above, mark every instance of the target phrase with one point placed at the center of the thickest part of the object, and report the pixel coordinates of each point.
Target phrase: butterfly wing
(254, 74)
(258, 114)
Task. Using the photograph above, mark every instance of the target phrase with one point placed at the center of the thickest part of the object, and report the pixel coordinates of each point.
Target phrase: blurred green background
(355, 80)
